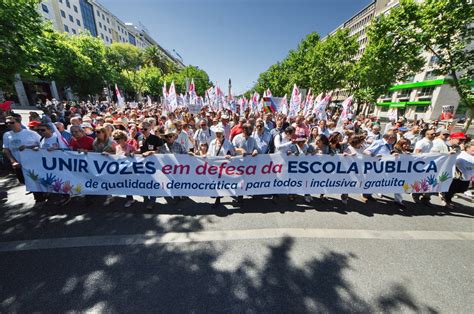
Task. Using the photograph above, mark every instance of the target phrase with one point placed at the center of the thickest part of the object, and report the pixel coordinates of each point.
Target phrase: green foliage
(441, 27)
(321, 65)
(20, 31)
(331, 61)
(201, 79)
(153, 56)
(32, 48)
(75, 61)
(281, 76)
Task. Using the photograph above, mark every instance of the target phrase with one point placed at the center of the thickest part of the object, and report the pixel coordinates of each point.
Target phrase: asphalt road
(266, 257)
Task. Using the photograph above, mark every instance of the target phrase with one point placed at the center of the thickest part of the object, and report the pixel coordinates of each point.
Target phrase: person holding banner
(123, 148)
(220, 146)
(14, 142)
(245, 145)
(378, 148)
(301, 148)
(464, 174)
(149, 146)
(203, 135)
(262, 136)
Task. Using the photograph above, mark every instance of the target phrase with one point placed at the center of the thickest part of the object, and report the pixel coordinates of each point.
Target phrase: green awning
(419, 103)
(404, 104)
(399, 105)
(392, 104)
(419, 84)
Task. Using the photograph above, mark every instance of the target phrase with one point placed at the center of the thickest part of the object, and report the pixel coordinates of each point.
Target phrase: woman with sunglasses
(123, 148)
(220, 147)
(103, 142)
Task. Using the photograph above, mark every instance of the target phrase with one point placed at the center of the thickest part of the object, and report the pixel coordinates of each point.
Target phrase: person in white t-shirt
(464, 170)
(14, 142)
(424, 145)
(439, 143)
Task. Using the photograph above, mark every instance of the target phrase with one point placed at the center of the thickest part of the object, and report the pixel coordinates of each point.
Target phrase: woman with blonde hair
(103, 143)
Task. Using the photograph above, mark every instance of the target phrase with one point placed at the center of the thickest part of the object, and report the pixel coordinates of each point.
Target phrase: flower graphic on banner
(78, 189)
(443, 177)
(406, 187)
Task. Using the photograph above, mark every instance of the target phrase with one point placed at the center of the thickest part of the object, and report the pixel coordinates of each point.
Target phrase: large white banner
(182, 175)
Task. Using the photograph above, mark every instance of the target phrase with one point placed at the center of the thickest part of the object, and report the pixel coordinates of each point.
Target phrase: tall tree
(21, 29)
(74, 61)
(153, 56)
(201, 79)
(331, 60)
(443, 28)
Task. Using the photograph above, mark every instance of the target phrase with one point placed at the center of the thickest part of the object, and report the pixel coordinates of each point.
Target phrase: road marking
(230, 235)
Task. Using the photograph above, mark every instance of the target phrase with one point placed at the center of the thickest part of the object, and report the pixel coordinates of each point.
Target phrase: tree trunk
(467, 123)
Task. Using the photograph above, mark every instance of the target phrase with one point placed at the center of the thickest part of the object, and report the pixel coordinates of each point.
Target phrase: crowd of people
(142, 129)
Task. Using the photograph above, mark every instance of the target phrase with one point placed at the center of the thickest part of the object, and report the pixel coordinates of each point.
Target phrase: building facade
(422, 96)
(73, 17)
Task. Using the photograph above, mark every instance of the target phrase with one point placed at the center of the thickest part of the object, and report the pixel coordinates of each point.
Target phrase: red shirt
(236, 130)
(84, 142)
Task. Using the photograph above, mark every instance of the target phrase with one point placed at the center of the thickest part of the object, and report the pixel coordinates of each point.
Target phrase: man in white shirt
(439, 143)
(183, 137)
(464, 170)
(14, 142)
(203, 135)
(424, 145)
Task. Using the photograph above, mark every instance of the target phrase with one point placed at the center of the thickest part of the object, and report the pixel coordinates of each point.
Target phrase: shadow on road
(184, 279)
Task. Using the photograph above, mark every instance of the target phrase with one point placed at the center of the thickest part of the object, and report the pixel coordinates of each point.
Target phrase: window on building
(75, 8)
(433, 60)
(44, 7)
(103, 16)
(404, 93)
(108, 20)
(421, 109)
(106, 38)
(71, 18)
(60, 1)
(426, 91)
(63, 14)
(66, 28)
(100, 25)
(98, 13)
(73, 31)
(78, 22)
(102, 36)
(88, 19)
(105, 28)
(68, 4)
(409, 79)
(384, 108)
(110, 31)
(430, 75)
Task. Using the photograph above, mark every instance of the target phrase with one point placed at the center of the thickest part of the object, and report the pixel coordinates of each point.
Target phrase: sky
(235, 39)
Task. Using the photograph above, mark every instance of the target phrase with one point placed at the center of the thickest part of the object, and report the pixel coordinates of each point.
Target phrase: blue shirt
(380, 147)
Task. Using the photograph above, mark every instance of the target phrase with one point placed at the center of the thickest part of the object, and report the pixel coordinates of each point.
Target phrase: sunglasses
(11, 122)
(41, 130)
(98, 132)
(168, 136)
(144, 129)
(259, 126)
